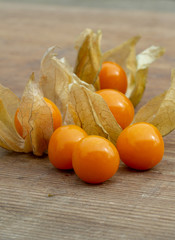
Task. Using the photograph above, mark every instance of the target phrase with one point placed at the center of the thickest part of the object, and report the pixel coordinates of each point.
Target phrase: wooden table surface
(39, 202)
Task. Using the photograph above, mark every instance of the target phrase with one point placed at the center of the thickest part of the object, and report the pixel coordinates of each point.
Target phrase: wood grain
(39, 202)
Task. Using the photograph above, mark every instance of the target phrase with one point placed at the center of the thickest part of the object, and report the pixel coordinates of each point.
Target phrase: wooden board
(39, 202)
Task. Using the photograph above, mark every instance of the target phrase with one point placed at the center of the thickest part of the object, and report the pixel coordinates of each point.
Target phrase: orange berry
(62, 143)
(140, 146)
(112, 76)
(95, 159)
(120, 106)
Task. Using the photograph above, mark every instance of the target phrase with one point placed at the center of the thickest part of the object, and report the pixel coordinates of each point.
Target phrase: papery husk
(34, 115)
(144, 60)
(9, 138)
(89, 58)
(74, 94)
(90, 112)
(159, 111)
(56, 76)
(55, 79)
(9, 99)
(81, 106)
(124, 55)
(136, 67)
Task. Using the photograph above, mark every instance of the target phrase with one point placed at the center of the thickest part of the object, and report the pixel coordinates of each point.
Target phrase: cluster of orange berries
(95, 159)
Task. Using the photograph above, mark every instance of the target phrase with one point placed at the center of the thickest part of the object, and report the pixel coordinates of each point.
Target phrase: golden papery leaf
(34, 116)
(136, 67)
(56, 76)
(90, 112)
(73, 91)
(159, 111)
(55, 79)
(124, 55)
(144, 59)
(9, 138)
(88, 62)
(9, 99)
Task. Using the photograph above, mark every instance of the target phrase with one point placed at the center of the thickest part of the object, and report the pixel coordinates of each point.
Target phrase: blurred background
(158, 5)
(29, 27)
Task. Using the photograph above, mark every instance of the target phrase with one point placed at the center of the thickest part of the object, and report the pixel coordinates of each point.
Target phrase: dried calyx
(73, 91)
